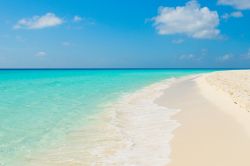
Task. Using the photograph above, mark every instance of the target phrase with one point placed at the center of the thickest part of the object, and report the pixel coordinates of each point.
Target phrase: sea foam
(132, 131)
(145, 128)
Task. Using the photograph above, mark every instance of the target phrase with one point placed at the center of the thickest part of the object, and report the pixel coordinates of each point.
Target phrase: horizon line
(125, 68)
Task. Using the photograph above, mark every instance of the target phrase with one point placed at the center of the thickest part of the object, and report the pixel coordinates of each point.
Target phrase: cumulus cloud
(191, 20)
(41, 54)
(238, 4)
(236, 14)
(39, 22)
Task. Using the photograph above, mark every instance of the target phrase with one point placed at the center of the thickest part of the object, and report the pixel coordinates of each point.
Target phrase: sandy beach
(214, 118)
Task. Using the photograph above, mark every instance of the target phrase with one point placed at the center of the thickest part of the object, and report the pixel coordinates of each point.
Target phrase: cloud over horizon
(39, 22)
(225, 57)
(191, 20)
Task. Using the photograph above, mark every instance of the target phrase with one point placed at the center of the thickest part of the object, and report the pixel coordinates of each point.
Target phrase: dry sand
(215, 124)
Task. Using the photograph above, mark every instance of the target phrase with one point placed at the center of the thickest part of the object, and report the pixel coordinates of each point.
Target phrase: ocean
(66, 117)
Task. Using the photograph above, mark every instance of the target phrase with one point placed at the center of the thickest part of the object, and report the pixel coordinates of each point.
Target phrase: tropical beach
(125, 83)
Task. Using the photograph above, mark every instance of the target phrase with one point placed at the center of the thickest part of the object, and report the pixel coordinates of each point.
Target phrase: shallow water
(67, 116)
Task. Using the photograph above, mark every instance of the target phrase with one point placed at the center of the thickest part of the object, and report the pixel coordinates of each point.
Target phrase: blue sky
(146, 34)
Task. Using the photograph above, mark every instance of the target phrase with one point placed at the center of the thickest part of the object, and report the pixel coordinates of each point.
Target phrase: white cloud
(191, 20)
(246, 55)
(39, 22)
(190, 57)
(77, 19)
(41, 54)
(236, 14)
(177, 41)
(238, 4)
(66, 44)
(225, 57)
(187, 56)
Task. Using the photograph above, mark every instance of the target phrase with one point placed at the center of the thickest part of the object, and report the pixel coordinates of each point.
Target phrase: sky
(125, 34)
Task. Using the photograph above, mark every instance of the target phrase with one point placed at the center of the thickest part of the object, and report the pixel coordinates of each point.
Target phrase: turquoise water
(40, 107)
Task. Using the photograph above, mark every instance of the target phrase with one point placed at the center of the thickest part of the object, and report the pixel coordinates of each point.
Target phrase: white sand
(230, 91)
(215, 121)
(234, 84)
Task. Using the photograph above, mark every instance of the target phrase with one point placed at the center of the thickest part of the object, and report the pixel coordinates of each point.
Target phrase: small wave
(143, 129)
(133, 131)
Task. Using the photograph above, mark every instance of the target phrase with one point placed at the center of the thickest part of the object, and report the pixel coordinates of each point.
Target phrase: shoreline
(174, 122)
(213, 131)
(126, 133)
